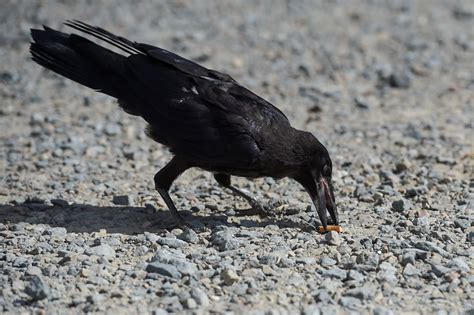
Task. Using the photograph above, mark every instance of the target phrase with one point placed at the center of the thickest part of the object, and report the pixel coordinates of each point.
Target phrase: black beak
(323, 198)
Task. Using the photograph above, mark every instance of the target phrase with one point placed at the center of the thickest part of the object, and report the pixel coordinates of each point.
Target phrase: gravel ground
(387, 86)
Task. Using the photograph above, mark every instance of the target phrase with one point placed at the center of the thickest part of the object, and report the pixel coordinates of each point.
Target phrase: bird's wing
(205, 119)
(197, 112)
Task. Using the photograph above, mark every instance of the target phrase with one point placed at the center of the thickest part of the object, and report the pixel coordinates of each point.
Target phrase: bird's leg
(257, 208)
(165, 177)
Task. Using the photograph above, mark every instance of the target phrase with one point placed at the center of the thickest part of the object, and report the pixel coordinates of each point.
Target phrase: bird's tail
(78, 59)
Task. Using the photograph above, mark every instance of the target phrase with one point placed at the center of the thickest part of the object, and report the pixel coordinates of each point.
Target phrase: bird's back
(202, 115)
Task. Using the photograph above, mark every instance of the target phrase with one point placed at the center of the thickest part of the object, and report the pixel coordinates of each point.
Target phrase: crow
(205, 118)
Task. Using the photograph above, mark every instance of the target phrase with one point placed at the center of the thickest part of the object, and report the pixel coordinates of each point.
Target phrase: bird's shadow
(83, 218)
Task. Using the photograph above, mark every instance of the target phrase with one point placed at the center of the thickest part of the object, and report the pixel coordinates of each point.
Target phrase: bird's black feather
(205, 117)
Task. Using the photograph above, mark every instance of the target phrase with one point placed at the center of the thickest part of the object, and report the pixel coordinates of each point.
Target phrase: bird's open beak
(323, 199)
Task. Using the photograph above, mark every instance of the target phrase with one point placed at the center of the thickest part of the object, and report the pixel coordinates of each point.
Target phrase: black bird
(204, 117)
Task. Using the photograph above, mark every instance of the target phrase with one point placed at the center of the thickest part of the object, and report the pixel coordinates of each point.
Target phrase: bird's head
(316, 177)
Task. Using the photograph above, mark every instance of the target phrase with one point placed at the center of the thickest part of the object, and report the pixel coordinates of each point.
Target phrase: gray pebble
(410, 271)
(104, 250)
(335, 273)
(363, 293)
(380, 310)
(355, 275)
(459, 264)
(400, 80)
(159, 311)
(327, 261)
(304, 260)
(171, 242)
(229, 277)
(112, 129)
(189, 236)
(348, 301)
(401, 205)
(33, 271)
(323, 296)
(422, 221)
(190, 303)
(36, 288)
(55, 231)
(387, 273)
(333, 238)
(59, 203)
(408, 258)
(224, 240)
(200, 296)
(430, 246)
(166, 257)
(440, 270)
(123, 200)
(462, 223)
(163, 269)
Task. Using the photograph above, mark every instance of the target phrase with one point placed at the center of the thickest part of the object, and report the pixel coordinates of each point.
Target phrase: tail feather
(78, 59)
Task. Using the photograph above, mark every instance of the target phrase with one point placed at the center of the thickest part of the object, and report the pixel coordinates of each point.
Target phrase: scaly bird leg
(257, 208)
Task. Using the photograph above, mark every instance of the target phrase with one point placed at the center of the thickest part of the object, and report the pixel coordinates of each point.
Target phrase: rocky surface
(387, 86)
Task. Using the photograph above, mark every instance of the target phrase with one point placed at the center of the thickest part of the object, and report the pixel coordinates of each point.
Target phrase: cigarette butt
(335, 228)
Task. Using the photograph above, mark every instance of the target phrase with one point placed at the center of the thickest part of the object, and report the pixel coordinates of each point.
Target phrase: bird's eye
(326, 171)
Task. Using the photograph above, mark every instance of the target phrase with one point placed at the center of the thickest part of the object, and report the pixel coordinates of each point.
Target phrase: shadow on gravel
(79, 218)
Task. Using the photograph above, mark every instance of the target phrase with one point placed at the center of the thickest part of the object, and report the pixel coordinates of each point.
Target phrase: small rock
(112, 129)
(103, 250)
(430, 246)
(150, 209)
(399, 80)
(122, 200)
(141, 250)
(327, 261)
(224, 239)
(410, 270)
(163, 269)
(161, 311)
(59, 203)
(401, 205)
(189, 236)
(362, 293)
(440, 270)
(302, 260)
(33, 271)
(361, 103)
(335, 273)
(166, 257)
(151, 237)
(422, 221)
(348, 301)
(56, 231)
(459, 264)
(462, 223)
(355, 275)
(323, 296)
(387, 273)
(95, 298)
(190, 303)
(333, 238)
(380, 310)
(34, 200)
(229, 277)
(200, 296)
(36, 288)
(171, 242)
(409, 257)
(463, 12)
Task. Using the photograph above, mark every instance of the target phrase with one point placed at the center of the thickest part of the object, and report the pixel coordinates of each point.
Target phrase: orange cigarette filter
(335, 228)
